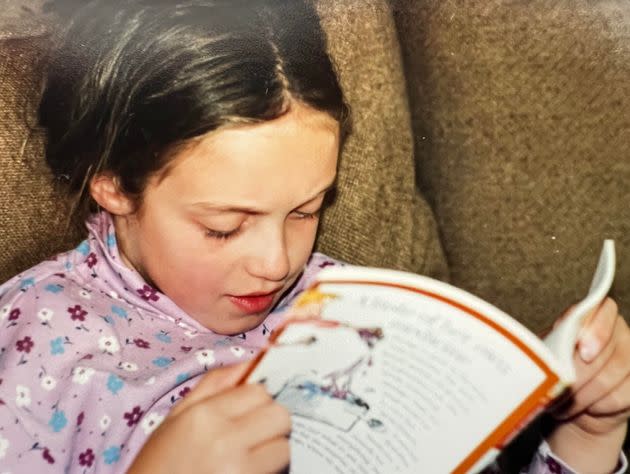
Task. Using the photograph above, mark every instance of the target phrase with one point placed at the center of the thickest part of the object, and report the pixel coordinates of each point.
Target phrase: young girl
(206, 136)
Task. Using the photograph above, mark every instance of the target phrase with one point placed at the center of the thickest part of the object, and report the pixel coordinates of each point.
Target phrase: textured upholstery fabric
(520, 111)
(32, 216)
(21, 18)
(378, 217)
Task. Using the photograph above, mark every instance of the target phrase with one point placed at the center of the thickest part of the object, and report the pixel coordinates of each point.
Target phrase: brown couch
(505, 122)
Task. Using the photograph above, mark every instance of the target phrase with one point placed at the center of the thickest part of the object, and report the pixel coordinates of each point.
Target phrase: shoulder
(316, 264)
(35, 299)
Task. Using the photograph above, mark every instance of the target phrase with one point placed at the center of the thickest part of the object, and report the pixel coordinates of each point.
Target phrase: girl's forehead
(295, 154)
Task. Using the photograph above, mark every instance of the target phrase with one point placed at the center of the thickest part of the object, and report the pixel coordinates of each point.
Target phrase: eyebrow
(250, 210)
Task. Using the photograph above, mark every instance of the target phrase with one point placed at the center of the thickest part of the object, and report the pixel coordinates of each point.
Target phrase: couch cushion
(32, 214)
(378, 217)
(22, 18)
(520, 111)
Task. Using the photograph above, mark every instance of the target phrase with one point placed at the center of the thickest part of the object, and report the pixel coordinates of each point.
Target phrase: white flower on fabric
(205, 356)
(85, 294)
(4, 312)
(4, 445)
(104, 422)
(238, 351)
(129, 366)
(82, 375)
(48, 382)
(150, 381)
(45, 314)
(151, 422)
(114, 295)
(22, 396)
(108, 344)
(191, 333)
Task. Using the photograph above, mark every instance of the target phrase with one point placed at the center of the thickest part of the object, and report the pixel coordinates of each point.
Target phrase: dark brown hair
(132, 80)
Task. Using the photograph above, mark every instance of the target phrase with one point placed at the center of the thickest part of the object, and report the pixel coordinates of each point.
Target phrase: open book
(407, 374)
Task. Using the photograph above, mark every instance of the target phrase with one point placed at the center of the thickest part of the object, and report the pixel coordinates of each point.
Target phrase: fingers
(616, 402)
(238, 401)
(270, 457)
(597, 330)
(609, 392)
(214, 382)
(595, 345)
(267, 422)
(603, 385)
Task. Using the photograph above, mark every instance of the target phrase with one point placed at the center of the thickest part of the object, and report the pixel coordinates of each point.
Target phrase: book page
(407, 382)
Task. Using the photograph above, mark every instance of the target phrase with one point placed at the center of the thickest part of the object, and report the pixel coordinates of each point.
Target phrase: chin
(237, 326)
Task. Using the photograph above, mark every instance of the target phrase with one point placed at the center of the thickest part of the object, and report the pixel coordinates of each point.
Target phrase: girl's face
(229, 227)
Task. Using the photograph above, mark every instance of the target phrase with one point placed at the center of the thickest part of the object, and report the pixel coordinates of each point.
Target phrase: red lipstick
(253, 303)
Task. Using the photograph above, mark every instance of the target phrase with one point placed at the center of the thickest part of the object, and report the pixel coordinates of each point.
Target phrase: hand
(593, 423)
(219, 428)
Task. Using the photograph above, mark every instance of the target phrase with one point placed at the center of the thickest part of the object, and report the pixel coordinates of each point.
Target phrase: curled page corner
(563, 338)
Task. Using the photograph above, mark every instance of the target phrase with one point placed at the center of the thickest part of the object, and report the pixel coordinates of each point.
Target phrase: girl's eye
(308, 215)
(220, 235)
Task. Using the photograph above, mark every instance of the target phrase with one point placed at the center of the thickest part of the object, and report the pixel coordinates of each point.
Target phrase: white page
(421, 397)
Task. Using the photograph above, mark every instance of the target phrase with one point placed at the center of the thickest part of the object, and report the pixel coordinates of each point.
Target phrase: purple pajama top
(92, 358)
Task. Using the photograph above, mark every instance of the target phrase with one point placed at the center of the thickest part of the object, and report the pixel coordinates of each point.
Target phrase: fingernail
(589, 348)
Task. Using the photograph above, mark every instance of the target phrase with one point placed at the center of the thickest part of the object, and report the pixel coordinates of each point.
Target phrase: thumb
(597, 330)
(214, 382)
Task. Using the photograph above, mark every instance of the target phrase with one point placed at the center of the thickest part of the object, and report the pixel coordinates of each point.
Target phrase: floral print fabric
(92, 358)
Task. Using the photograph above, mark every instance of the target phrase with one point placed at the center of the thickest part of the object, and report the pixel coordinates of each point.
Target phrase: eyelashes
(308, 215)
(226, 235)
(218, 235)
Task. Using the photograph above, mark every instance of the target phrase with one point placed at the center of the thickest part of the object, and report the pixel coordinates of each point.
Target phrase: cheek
(300, 240)
(182, 265)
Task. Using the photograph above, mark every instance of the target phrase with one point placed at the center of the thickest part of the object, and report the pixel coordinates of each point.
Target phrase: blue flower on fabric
(111, 455)
(120, 312)
(68, 265)
(181, 378)
(162, 361)
(58, 421)
(111, 240)
(56, 346)
(163, 336)
(54, 288)
(26, 283)
(84, 248)
(114, 383)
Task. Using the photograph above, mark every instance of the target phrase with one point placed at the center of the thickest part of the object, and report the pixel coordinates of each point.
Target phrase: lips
(253, 302)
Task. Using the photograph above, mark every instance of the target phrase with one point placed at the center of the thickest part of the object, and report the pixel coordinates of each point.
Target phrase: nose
(269, 259)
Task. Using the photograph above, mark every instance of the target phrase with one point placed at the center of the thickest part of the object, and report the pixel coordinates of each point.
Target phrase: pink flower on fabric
(86, 458)
(553, 465)
(133, 416)
(91, 260)
(141, 343)
(25, 345)
(148, 293)
(184, 391)
(47, 456)
(14, 314)
(77, 313)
